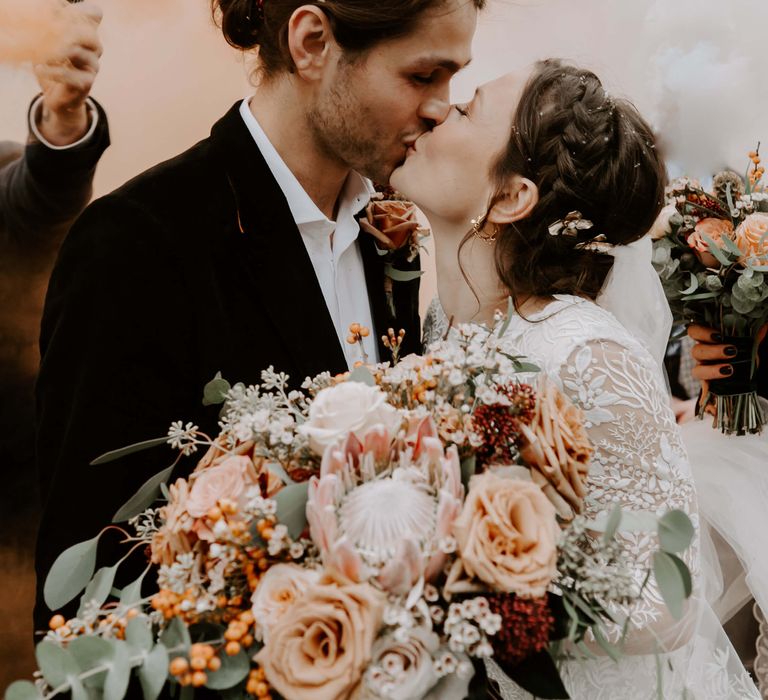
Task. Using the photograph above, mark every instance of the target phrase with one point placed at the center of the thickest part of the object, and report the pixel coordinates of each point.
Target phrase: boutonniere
(393, 221)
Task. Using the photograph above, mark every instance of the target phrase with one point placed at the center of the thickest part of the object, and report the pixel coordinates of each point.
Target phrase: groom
(241, 253)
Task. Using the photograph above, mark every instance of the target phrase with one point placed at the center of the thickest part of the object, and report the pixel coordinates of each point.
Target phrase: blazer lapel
(373, 266)
(278, 260)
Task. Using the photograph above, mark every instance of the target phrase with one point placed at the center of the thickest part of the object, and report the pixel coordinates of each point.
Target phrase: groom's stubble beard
(347, 129)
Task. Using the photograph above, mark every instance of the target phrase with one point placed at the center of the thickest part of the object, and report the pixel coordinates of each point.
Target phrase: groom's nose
(435, 110)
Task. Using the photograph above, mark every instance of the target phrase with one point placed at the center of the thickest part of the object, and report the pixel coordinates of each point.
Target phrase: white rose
(403, 670)
(276, 592)
(350, 407)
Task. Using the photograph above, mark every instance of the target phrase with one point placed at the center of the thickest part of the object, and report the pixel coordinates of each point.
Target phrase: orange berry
(250, 687)
(64, 631)
(186, 679)
(232, 648)
(247, 641)
(364, 332)
(178, 666)
(199, 679)
(262, 689)
(56, 622)
(214, 514)
(214, 664)
(247, 618)
(263, 564)
(259, 674)
(351, 339)
(354, 328)
(198, 663)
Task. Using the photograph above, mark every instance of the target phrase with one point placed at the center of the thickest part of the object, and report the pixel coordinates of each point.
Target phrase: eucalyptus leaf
(129, 450)
(538, 675)
(215, 391)
(119, 674)
(401, 275)
(685, 574)
(233, 670)
(90, 652)
(694, 285)
(55, 663)
(279, 471)
(614, 520)
(676, 531)
(76, 688)
(508, 318)
(715, 249)
(670, 582)
(70, 573)
(98, 587)
(131, 593)
(144, 497)
(138, 634)
(731, 247)
(22, 690)
(362, 375)
(605, 645)
(153, 672)
(702, 295)
(175, 635)
(292, 508)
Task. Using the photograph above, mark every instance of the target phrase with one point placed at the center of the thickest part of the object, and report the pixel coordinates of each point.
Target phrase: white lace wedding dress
(641, 464)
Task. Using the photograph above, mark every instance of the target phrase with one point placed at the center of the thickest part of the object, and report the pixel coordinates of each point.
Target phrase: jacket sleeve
(44, 191)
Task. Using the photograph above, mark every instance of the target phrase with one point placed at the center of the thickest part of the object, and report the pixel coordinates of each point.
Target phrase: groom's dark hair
(357, 25)
(587, 152)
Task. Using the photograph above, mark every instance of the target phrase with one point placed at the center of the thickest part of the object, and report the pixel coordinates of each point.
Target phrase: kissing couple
(246, 252)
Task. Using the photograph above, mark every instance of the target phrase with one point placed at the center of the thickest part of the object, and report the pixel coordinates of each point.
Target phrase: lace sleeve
(639, 463)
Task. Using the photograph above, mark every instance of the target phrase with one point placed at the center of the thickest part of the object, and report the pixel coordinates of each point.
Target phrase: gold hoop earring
(477, 230)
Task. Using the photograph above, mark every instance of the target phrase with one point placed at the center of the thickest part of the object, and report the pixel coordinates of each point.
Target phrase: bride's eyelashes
(424, 79)
(462, 110)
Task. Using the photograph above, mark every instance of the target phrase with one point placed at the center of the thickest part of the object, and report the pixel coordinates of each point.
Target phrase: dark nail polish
(717, 338)
(727, 370)
(730, 351)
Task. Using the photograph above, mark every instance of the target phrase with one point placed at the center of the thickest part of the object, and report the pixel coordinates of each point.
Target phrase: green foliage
(401, 275)
(233, 670)
(154, 672)
(138, 634)
(98, 587)
(22, 690)
(676, 532)
(362, 375)
(129, 450)
(70, 573)
(175, 638)
(147, 494)
(673, 579)
(119, 673)
(215, 392)
(292, 508)
(90, 652)
(468, 469)
(614, 520)
(131, 593)
(57, 664)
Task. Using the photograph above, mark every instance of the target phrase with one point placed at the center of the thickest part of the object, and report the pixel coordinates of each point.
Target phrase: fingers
(703, 334)
(684, 410)
(703, 352)
(707, 373)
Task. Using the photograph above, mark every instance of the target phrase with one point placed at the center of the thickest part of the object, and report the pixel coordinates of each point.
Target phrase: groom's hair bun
(588, 152)
(357, 25)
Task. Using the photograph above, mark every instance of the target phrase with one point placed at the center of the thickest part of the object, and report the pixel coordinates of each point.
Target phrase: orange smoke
(33, 31)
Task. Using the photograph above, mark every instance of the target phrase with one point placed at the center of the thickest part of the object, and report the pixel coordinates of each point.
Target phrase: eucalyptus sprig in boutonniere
(392, 221)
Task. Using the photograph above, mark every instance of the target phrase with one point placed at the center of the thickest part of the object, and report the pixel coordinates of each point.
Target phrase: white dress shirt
(332, 245)
(34, 115)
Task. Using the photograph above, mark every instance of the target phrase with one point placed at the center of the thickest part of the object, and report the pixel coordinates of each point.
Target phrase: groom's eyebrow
(432, 62)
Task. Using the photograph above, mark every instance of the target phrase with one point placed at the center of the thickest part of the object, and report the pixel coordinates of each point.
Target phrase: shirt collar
(355, 194)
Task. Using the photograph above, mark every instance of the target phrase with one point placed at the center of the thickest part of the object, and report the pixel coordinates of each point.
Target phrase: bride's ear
(515, 202)
(310, 41)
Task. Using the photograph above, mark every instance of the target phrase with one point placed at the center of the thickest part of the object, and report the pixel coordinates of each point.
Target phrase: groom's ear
(310, 41)
(515, 202)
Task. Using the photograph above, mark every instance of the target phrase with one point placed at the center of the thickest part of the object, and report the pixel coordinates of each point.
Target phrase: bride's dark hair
(586, 152)
(357, 25)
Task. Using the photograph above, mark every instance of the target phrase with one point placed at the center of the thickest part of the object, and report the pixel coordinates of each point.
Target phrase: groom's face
(371, 107)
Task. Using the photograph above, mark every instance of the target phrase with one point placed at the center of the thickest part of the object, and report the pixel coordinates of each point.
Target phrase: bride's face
(447, 172)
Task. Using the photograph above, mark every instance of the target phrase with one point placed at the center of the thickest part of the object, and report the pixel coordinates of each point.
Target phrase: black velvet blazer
(192, 268)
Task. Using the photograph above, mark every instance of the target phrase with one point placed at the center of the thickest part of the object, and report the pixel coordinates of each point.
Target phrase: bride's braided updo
(586, 152)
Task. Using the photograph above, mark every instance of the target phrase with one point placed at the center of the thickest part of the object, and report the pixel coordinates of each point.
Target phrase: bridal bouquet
(713, 263)
(379, 535)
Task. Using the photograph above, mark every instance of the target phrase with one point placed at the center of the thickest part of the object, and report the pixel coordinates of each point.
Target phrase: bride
(535, 191)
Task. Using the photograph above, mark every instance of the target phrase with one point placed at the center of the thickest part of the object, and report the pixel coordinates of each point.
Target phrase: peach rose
(752, 235)
(557, 449)
(391, 222)
(507, 535)
(321, 645)
(278, 589)
(716, 229)
(351, 407)
(227, 480)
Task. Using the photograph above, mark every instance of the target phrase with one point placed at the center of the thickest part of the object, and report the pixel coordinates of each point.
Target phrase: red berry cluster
(499, 425)
(525, 628)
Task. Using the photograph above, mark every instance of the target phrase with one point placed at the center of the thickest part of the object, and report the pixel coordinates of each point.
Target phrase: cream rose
(349, 407)
(751, 235)
(278, 589)
(507, 535)
(661, 226)
(321, 644)
(226, 480)
(404, 669)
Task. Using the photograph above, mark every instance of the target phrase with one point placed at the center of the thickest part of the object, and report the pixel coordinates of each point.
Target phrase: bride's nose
(434, 111)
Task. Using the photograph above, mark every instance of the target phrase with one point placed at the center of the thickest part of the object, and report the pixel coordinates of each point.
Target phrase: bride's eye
(424, 79)
(462, 110)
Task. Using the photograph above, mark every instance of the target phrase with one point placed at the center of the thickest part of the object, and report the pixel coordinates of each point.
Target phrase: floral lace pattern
(641, 464)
